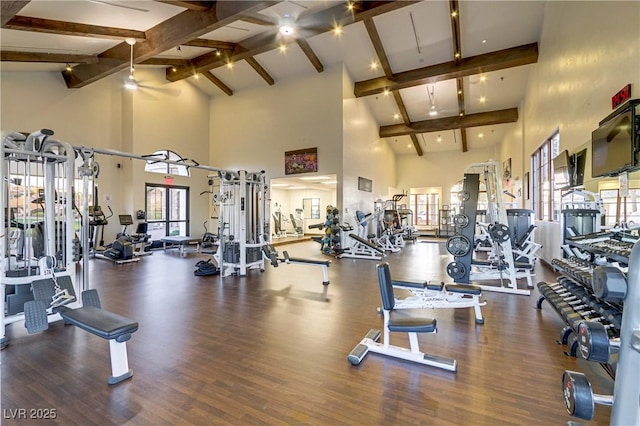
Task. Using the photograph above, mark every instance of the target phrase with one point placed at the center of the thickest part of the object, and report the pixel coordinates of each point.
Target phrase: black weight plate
(499, 233)
(464, 195)
(456, 270)
(578, 396)
(458, 245)
(461, 220)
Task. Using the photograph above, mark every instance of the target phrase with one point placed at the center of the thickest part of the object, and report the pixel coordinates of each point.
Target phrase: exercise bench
(115, 328)
(435, 295)
(409, 321)
(272, 254)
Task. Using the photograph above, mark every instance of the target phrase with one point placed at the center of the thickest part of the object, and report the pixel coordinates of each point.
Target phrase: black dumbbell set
(590, 299)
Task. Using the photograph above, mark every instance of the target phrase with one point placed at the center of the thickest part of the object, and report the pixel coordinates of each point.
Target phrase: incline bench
(90, 317)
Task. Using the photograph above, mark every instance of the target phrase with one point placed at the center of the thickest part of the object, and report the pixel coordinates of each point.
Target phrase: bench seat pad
(105, 324)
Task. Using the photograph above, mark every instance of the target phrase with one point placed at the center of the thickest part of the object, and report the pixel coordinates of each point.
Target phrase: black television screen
(562, 170)
(612, 150)
(579, 163)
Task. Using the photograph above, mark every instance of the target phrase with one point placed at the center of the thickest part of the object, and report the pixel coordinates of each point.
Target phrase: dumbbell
(579, 399)
(594, 343)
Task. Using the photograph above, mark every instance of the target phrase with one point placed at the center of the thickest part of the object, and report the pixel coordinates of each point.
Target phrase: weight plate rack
(460, 269)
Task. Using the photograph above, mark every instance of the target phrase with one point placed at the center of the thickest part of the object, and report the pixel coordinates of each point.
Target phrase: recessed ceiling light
(349, 6)
(408, 145)
(373, 65)
(454, 13)
(315, 178)
(196, 76)
(433, 112)
(483, 100)
(461, 114)
(386, 92)
(439, 139)
(481, 135)
(459, 92)
(484, 41)
(174, 69)
(457, 55)
(337, 30)
(396, 116)
(229, 64)
(483, 77)
(286, 30)
(218, 53)
(283, 48)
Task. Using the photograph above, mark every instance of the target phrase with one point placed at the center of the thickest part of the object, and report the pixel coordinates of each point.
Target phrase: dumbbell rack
(590, 300)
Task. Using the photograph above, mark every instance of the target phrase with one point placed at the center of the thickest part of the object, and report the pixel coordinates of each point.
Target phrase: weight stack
(460, 268)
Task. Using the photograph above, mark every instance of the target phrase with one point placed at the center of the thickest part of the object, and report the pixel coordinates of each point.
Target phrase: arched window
(156, 164)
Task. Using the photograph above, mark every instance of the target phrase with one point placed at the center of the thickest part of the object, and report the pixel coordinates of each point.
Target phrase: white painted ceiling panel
(430, 44)
(134, 15)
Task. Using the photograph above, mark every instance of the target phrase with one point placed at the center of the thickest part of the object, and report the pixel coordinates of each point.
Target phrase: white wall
(438, 169)
(252, 129)
(588, 51)
(103, 115)
(365, 154)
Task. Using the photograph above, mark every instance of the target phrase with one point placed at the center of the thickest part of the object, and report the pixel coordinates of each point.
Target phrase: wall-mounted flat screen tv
(612, 144)
(562, 170)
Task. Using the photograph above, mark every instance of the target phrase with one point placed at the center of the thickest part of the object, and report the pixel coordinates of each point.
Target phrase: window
(156, 164)
(546, 199)
(621, 209)
(425, 209)
(167, 210)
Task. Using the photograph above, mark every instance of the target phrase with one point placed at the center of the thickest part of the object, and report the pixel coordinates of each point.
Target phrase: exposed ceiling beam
(377, 46)
(369, 9)
(463, 134)
(451, 123)
(200, 6)
(493, 61)
(58, 58)
(166, 61)
(178, 29)
(310, 54)
(9, 9)
(261, 43)
(454, 15)
(263, 20)
(210, 44)
(260, 70)
(50, 26)
(215, 80)
(374, 36)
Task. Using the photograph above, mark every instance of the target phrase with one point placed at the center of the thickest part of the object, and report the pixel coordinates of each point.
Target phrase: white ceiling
(486, 26)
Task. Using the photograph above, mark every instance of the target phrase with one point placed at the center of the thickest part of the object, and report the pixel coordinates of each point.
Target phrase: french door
(167, 210)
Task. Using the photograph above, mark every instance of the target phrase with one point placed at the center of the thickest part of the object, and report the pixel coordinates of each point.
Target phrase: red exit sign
(621, 96)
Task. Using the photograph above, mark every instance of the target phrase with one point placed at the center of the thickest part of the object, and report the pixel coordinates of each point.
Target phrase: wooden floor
(271, 348)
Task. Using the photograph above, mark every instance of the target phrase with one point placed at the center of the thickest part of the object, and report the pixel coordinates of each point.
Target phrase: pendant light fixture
(433, 111)
(130, 83)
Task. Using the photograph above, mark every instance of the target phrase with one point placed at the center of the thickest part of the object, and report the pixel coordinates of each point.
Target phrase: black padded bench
(90, 317)
(453, 288)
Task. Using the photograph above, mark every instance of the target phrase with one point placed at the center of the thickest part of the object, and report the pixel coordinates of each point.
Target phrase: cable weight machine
(243, 224)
